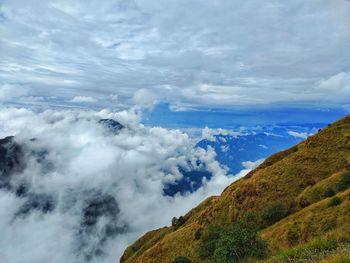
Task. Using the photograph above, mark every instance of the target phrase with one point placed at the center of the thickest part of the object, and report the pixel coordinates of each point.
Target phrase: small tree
(177, 222)
(174, 221)
(198, 234)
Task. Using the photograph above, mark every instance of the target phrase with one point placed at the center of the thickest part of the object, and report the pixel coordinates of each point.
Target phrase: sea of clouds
(72, 161)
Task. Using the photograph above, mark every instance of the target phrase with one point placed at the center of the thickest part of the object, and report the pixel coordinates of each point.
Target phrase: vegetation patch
(177, 222)
(338, 259)
(293, 234)
(344, 182)
(334, 201)
(232, 243)
(306, 252)
(181, 259)
(329, 192)
(275, 212)
(198, 234)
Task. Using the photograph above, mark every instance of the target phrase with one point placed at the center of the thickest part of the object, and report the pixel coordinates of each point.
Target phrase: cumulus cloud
(73, 164)
(284, 52)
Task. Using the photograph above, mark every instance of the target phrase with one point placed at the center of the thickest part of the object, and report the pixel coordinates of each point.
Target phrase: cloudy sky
(182, 64)
(189, 54)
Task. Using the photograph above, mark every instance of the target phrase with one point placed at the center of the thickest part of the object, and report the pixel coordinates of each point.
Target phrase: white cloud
(209, 134)
(234, 56)
(248, 166)
(225, 148)
(80, 158)
(251, 165)
(336, 87)
(340, 81)
(83, 99)
(179, 108)
(144, 97)
(302, 135)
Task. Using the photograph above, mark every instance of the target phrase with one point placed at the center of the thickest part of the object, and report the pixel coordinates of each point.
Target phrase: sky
(188, 54)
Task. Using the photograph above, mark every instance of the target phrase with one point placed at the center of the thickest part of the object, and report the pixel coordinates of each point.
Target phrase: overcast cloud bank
(187, 53)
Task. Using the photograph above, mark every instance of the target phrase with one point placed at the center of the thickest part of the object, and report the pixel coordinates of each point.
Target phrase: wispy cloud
(83, 99)
(302, 135)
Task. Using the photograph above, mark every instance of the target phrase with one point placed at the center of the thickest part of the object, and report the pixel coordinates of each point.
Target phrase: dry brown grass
(302, 172)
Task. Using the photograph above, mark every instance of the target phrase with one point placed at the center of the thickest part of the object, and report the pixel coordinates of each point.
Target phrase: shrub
(334, 201)
(250, 219)
(182, 259)
(177, 222)
(198, 234)
(303, 202)
(231, 244)
(209, 241)
(273, 213)
(293, 234)
(344, 182)
(329, 192)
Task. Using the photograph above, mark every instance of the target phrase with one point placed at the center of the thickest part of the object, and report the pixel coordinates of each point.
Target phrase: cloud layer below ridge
(85, 192)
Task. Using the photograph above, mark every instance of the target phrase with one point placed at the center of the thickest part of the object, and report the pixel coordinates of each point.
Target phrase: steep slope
(300, 180)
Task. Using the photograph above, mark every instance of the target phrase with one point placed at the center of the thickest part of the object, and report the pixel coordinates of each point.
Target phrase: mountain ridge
(284, 177)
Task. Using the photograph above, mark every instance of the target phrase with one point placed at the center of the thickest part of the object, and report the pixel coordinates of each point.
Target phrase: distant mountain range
(252, 145)
(239, 149)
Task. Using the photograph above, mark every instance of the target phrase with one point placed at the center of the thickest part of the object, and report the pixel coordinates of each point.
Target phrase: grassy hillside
(299, 200)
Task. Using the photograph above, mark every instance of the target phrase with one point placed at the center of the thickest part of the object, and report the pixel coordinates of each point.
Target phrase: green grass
(308, 251)
(341, 259)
